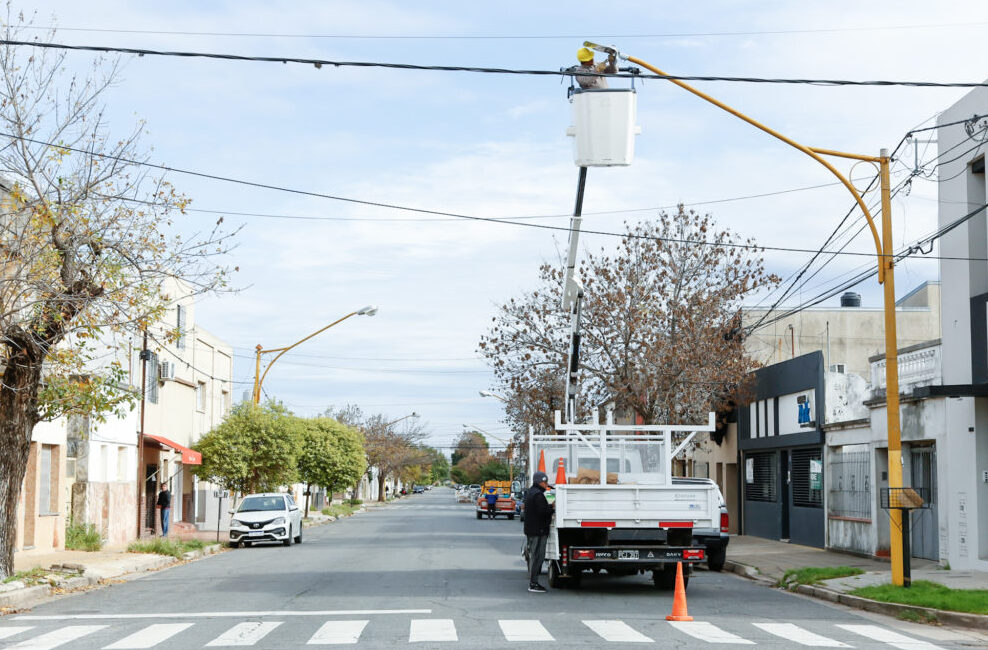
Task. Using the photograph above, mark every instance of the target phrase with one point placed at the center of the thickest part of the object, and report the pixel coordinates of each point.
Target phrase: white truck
(634, 516)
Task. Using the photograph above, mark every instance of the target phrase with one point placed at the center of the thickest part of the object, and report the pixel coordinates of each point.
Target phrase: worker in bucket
(538, 517)
(589, 81)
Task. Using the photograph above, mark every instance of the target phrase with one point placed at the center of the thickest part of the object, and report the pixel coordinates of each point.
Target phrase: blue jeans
(165, 516)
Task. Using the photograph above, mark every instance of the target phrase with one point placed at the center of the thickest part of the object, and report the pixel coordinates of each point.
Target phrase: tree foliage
(470, 455)
(661, 334)
(255, 449)
(86, 242)
(331, 454)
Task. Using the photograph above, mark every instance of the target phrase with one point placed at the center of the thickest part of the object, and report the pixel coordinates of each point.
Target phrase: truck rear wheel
(665, 578)
(554, 580)
(715, 560)
(511, 516)
(480, 515)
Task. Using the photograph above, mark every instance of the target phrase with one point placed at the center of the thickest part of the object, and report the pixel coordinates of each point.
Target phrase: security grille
(849, 485)
(764, 484)
(803, 492)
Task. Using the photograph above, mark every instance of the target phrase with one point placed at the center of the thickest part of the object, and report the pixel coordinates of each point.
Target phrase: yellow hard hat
(584, 54)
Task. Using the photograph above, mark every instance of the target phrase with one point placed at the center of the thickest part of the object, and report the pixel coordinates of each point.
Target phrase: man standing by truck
(538, 516)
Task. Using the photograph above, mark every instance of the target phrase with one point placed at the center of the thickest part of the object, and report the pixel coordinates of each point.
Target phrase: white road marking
(617, 632)
(149, 637)
(327, 612)
(894, 639)
(518, 630)
(798, 635)
(11, 631)
(338, 633)
(708, 632)
(57, 638)
(243, 634)
(432, 629)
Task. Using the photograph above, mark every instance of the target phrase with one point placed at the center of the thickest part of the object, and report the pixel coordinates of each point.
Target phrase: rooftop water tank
(604, 126)
(850, 299)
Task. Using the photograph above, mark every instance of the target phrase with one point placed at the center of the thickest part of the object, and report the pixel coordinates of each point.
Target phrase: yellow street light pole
(259, 378)
(886, 277)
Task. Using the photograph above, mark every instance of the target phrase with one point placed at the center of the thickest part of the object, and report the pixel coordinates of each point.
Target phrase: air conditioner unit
(166, 371)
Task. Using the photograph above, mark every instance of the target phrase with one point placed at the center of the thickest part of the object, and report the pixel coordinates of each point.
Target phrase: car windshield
(257, 504)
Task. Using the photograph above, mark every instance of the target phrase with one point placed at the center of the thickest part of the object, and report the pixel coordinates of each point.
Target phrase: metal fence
(849, 493)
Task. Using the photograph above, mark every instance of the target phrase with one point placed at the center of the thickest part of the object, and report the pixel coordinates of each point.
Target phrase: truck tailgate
(636, 506)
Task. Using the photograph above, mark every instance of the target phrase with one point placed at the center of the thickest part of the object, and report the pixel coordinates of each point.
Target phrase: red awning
(189, 457)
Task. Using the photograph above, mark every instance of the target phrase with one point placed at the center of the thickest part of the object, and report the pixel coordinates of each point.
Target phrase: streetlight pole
(370, 310)
(886, 277)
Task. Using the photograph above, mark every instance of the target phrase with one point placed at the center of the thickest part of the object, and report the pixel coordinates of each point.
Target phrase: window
(201, 397)
(849, 483)
(180, 325)
(807, 477)
(121, 463)
(48, 501)
(761, 477)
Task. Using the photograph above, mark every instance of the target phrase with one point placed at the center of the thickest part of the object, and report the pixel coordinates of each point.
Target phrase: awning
(189, 457)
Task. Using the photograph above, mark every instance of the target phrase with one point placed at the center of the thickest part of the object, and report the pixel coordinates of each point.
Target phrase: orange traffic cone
(542, 460)
(679, 598)
(561, 473)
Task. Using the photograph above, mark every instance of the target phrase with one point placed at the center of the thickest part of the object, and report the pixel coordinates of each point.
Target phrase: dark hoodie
(538, 514)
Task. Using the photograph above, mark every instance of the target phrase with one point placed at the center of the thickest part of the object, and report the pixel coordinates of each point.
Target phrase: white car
(268, 517)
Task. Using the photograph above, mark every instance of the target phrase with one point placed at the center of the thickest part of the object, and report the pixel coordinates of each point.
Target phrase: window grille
(803, 494)
(764, 483)
(151, 380)
(849, 485)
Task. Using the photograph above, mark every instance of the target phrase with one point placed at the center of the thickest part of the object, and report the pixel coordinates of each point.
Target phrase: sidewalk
(768, 560)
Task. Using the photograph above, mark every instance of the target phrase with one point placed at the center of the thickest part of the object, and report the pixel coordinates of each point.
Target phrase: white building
(961, 141)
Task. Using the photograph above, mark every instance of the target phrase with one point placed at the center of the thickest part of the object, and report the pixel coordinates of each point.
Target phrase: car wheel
(248, 544)
(234, 544)
(298, 538)
(715, 560)
(288, 540)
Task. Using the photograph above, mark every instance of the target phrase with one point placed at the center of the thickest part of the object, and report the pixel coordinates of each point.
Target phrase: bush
(341, 510)
(82, 537)
(354, 502)
(161, 546)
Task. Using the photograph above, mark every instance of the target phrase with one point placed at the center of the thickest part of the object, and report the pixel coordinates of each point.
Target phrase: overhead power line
(319, 63)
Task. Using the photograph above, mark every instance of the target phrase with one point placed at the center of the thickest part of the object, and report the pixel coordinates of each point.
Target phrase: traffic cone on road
(679, 612)
(561, 472)
(542, 460)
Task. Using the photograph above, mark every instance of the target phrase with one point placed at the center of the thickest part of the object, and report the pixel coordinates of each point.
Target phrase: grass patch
(82, 537)
(353, 502)
(924, 593)
(340, 510)
(918, 617)
(32, 577)
(162, 546)
(815, 575)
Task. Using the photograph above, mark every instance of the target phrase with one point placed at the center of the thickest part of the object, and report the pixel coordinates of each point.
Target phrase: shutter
(802, 493)
(764, 486)
(151, 385)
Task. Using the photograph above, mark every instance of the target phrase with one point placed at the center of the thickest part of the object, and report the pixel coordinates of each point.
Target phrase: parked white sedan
(268, 517)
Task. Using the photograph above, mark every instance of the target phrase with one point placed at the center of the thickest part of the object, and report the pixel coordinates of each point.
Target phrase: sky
(495, 146)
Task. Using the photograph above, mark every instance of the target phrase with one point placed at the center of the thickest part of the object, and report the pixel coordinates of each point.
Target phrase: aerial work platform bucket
(604, 126)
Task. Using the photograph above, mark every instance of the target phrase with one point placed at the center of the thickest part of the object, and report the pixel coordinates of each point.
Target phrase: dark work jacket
(538, 514)
(164, 499)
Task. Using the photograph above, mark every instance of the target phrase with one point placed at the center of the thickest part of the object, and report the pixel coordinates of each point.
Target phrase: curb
(942, 616)
(19, 599)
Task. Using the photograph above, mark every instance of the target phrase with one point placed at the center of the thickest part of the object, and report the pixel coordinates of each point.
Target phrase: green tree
(255, 449)
(494, 470)
(331, 455)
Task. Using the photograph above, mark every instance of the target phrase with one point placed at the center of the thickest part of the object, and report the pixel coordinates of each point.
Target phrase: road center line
(326, 612)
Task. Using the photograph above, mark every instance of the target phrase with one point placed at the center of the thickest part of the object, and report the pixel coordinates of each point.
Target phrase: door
(785, 471)
(924, 538)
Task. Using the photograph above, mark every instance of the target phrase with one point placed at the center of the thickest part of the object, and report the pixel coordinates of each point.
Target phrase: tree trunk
(18, 415)
(380, 487)
(308, 491)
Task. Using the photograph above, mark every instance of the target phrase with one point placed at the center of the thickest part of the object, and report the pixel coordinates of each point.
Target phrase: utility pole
(145, 355)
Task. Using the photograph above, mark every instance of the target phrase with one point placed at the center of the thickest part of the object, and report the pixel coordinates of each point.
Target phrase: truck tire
(715, 560)
(555, 581)
(665, 578)
(480, 515)
(511, 516)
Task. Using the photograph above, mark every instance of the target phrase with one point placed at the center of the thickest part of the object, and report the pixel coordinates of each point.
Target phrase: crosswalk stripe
(894, 639)
(338, 633)
(57, 638)
(708, 632)
(432, 629)
(149, 637)
(243, 634)
(617, 632)
(11, 631)
(798, 635)
(518, 630)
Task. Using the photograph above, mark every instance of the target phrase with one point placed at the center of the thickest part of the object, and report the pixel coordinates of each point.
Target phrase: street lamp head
(369, 310)
(414, 415)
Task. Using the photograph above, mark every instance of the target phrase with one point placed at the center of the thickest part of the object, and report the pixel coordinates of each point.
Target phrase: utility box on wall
(604, 127)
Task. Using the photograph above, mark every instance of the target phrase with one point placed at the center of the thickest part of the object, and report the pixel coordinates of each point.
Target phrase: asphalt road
(425, 572)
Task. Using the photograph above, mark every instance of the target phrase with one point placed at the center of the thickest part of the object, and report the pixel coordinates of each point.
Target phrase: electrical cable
(319, 63)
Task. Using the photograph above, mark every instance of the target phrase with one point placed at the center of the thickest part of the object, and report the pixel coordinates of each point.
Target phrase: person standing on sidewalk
(165, 504)
(538, 516)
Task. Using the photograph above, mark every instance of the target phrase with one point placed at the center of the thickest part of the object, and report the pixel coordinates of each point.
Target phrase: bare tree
(661, 336)
(86, 241)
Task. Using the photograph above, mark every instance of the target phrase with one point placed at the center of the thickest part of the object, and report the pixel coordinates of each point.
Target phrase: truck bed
(637, 505)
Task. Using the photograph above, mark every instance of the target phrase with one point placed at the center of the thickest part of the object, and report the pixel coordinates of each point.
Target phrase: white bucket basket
(604, 127)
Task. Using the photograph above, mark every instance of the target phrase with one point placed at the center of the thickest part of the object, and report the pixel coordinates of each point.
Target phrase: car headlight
(236, 522)
(279, 520)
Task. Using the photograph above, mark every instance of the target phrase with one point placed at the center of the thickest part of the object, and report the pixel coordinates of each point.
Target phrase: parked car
(418, 489)
(714, 540)
(267, 517)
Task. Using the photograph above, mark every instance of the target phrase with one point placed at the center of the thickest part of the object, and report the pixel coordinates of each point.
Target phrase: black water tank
(850, 299)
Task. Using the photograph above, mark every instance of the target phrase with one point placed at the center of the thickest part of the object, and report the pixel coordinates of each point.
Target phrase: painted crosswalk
(128, 634)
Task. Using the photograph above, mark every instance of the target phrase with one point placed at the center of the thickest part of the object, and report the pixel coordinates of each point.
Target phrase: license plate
(627, 555)
(255, 533)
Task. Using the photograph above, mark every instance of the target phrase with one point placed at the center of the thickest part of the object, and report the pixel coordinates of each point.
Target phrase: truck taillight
(693, 554)
(725, 523)
(583, 554)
